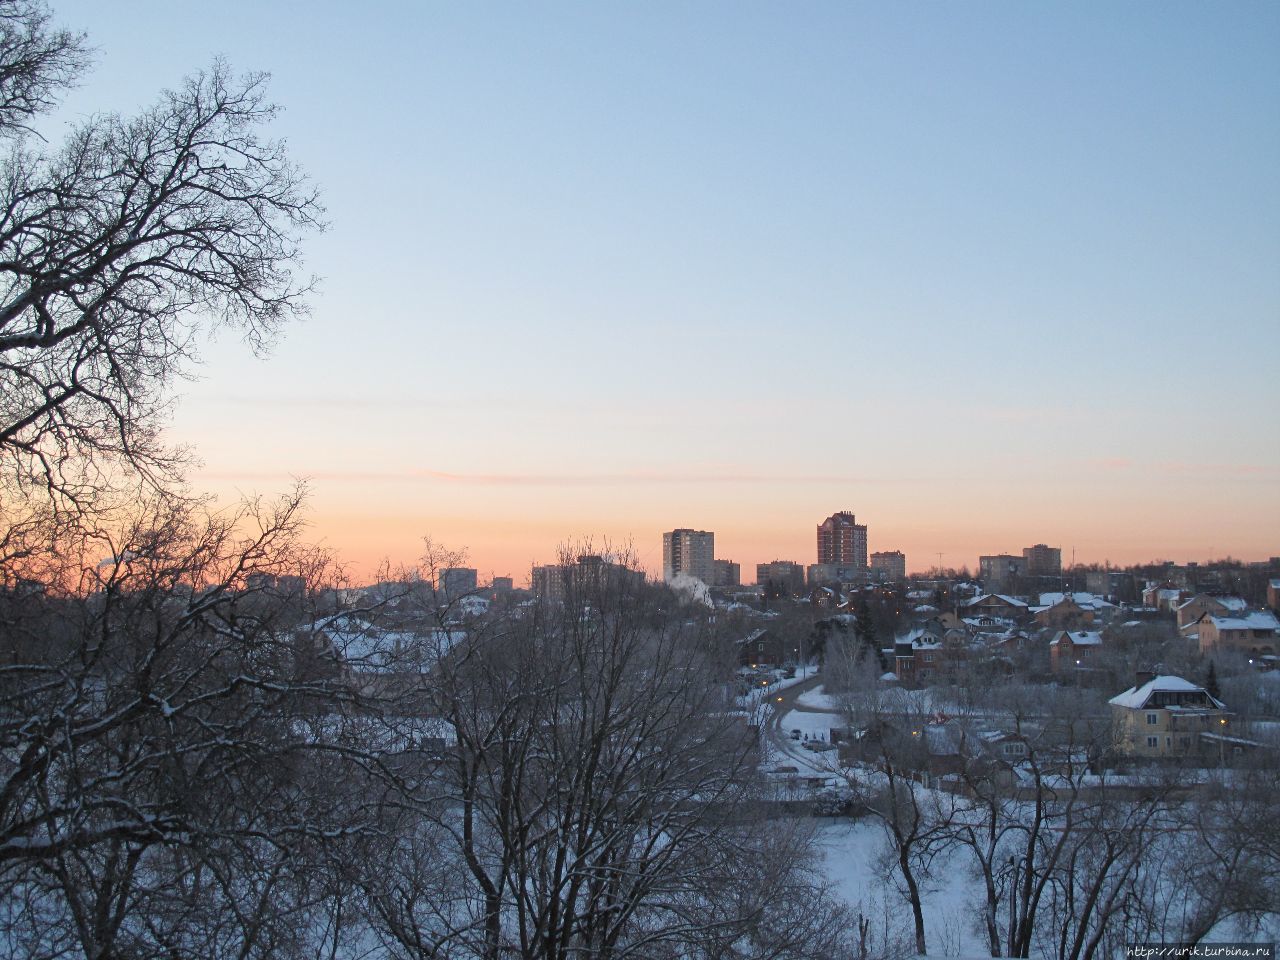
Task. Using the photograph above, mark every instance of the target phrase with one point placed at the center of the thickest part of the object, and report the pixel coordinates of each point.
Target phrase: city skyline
(304, 380)
(1048, 562)
(1040, 242)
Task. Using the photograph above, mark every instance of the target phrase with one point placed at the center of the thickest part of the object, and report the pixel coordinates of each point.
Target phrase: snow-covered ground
(852, 862)
(759, 695)
(852, 859)
(817, 699)
(812, 726)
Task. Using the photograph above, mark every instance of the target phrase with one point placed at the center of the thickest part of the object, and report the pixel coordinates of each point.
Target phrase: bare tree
(887, 779)
(1222, 860)
(598, 798)
(988, 826)
(36, 64)
(159, 793)
(115, 249)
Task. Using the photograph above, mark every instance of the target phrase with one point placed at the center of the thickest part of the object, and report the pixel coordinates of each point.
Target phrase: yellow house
(1164, 717)
(1252, 632)
(1189, 611)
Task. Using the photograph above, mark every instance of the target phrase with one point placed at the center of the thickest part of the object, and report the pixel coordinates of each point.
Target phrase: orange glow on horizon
(505, 529)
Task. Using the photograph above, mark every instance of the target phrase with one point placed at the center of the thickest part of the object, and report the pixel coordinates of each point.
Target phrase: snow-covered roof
(987, 620)
(1234, 604)
(370, 648)
(474, 604)
(1080, 638)
(1253, 620)
(920, 638)
(1087, 601)
(1136, 697)
(1012, 601)
(942, 740)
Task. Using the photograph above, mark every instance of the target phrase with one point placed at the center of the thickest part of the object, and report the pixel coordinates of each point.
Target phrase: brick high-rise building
(842, 541)
(689, 551)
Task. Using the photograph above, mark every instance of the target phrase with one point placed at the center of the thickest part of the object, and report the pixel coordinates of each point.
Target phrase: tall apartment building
(689, 551)
(889, 566)
(1000, 571)
(830, 574)
(783, 575)
(1043, 561)
(455, 582)
(727, 574)
(842, 541)
(555, 581)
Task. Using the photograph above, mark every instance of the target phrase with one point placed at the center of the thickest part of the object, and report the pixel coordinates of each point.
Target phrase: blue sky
(987, 274)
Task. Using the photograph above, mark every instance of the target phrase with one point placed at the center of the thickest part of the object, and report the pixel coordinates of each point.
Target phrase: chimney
(1143, 676)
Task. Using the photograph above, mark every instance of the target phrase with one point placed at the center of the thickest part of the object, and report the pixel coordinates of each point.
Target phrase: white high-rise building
(689, 551)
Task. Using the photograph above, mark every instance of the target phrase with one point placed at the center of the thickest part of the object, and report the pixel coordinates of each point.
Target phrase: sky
(985, 274)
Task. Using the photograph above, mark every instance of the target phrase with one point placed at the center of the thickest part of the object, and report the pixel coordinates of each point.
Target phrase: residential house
(762, 649)
(1163, 597)
(1164, 717)
(1254, 632)
(925, 747)
(1070, 650)
(1067, 610)
(937, 750)
(1191, 610)
(925, 655)
(375, 658)
(998, 606)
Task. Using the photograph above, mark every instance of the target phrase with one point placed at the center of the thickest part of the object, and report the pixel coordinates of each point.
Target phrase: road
(783, 747)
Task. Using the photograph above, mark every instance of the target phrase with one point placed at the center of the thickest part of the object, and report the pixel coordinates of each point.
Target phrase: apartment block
(842, 541)
(889, 566)
(690, 552)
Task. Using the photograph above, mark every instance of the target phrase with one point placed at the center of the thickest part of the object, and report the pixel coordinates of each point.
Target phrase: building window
(1185, 741)
(1153, 742)
(1152, 719)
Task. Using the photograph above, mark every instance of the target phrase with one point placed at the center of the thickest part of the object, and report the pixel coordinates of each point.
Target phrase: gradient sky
(986, 274)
